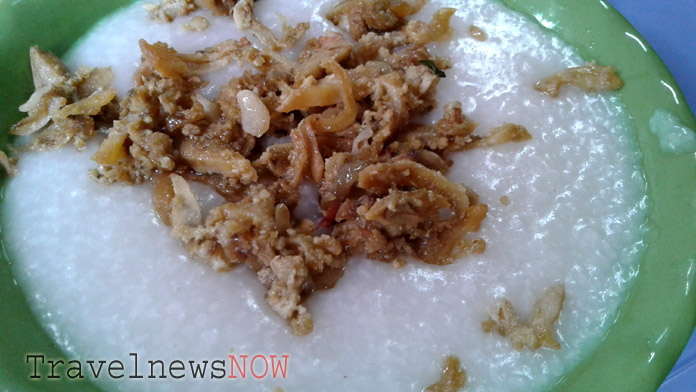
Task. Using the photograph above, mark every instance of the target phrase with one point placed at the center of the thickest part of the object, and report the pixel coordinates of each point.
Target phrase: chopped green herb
(431, 65)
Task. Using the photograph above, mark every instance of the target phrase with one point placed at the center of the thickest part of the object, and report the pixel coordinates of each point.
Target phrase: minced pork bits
(339, 117)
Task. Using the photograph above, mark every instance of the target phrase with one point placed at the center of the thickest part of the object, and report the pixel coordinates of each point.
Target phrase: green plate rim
(654, 323)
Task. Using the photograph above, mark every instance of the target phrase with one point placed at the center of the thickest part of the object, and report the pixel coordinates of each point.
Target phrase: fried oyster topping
(590, 77)
(477, 33)
(168, 10)
(339, 118)
(242, 11)
(452, 378)
(538, 330)
(65, 108)
(197, 23)
(9, 164)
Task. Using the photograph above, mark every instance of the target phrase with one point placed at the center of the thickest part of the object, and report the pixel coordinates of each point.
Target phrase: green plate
(652, 326)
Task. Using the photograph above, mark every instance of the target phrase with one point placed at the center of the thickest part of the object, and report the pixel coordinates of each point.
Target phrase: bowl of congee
(358, 195)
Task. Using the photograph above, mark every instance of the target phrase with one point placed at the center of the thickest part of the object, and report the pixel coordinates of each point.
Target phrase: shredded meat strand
(590, 77)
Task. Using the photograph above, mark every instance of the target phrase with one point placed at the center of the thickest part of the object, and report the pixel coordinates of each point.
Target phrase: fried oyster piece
(452, 377)
(477, 33)
(589, 77)
(65, 108)
(244, 19)
(9, 164)
(538, 330)
(242, 11)
(168, 10)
